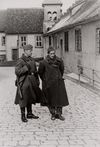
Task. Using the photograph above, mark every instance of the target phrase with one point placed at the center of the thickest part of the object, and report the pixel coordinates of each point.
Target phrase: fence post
(93, 76)
(79, 72)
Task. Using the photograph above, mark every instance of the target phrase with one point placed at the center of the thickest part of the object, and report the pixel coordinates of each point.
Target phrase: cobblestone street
(81, 127)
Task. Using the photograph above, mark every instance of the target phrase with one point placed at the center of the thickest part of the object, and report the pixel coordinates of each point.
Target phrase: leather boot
(53, 117)
(23, 117)
(59, 113)
(61, 117)
(30, 115)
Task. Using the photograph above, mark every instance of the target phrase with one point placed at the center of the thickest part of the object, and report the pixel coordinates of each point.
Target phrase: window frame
(23, 42)
(49, 14)
(38, 41)
(50, 40)
(78, 40)
(3, 40)
(55, 16)
(98, 41)
(55, 41)
(66, 41)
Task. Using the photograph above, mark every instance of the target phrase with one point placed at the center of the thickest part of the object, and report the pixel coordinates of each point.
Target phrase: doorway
(14, 54)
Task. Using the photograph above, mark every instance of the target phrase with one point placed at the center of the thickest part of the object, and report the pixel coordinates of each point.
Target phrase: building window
(55, 41)
(2, 58)
(49, 16)
(23, 40)
(14, 54)
(54, 15)
(49, 40)
(48, 29)
(3, 40)
(78, 40)
(66, 36)
(39, 41)
(98, 40)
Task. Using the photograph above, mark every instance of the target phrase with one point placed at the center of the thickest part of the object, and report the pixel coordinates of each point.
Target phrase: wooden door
(14, 54)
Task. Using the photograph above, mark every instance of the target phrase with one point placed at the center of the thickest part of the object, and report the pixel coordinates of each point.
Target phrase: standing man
(27, 83)
(51, 72)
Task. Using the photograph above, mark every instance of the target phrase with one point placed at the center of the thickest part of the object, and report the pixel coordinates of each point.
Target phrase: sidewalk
(80, 129)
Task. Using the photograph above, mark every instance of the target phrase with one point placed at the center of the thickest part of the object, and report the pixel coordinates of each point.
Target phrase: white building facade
(76, 38)
(22, 26)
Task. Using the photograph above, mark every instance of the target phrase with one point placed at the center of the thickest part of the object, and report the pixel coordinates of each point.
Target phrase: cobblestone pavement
(80, 129)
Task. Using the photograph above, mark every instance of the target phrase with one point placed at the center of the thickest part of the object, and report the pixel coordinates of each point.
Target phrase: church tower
(52, 12)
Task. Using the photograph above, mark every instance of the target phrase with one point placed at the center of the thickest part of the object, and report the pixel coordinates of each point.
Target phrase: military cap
(50, 49)
(27, 47)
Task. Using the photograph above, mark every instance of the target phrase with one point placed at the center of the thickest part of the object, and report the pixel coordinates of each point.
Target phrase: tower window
(49, 15)
(54, 15)
(49, 12)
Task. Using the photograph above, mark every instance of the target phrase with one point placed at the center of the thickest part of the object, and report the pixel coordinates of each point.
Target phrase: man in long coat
(51, 71)
(27, 83)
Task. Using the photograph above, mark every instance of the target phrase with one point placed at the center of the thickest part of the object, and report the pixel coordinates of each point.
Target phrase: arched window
(49, 15)
(54, 15)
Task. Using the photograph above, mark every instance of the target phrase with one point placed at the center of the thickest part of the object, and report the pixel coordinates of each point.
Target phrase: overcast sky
(4, 4)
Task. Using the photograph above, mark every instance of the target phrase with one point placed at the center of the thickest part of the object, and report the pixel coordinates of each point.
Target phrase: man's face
(28, 52)
(52, 54)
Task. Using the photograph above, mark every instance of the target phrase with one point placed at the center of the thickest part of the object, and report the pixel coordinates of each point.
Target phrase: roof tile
(22, 21)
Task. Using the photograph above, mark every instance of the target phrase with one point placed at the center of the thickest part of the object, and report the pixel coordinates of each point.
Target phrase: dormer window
(54, 15)
(49, 15)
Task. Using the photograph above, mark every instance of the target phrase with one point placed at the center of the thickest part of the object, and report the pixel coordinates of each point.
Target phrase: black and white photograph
(49, 73)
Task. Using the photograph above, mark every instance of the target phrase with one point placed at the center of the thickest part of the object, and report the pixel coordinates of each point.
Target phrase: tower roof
(51, 2)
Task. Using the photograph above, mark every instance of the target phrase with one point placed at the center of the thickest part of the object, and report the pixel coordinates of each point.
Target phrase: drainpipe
(18, 44)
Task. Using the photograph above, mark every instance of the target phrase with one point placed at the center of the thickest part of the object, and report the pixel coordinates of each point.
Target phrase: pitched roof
(22, 21)
(51, 2)
(88, 11)
(2, 20)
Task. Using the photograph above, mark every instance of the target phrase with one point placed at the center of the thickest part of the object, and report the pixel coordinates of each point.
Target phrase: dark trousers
(29, 109)
(55, 110)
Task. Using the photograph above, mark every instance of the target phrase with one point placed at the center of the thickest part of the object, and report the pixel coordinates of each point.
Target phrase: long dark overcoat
(53, 86)
(28, 91)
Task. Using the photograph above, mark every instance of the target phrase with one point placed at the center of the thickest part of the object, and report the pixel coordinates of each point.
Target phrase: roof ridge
(25, 8)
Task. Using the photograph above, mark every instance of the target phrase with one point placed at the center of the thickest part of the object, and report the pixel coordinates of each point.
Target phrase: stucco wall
(51, 8)
(12, 44)
(88, 57)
